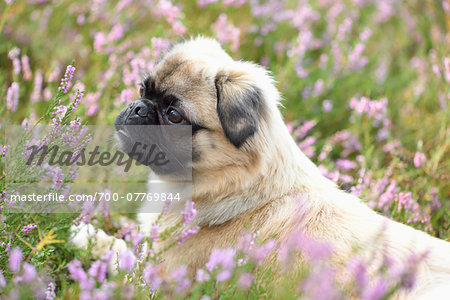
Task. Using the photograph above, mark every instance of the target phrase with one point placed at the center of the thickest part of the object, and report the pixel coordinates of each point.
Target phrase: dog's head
(228, 104)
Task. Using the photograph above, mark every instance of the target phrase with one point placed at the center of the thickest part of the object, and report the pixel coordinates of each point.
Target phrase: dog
(247, 171)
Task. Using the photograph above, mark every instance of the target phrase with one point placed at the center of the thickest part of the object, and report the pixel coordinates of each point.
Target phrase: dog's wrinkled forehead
(188, 61)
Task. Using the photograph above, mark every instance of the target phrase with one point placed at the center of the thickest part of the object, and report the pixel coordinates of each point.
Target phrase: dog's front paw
(83, 235)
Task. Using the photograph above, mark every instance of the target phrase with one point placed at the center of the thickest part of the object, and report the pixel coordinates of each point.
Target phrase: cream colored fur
(269, 185)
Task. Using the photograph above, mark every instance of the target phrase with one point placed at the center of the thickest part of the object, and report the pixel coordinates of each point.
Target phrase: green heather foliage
(366, 87)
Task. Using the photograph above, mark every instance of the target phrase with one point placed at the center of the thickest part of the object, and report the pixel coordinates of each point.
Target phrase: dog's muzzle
(140, 112)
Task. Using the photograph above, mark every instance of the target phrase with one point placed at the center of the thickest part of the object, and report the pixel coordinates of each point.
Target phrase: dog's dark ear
(238, 102)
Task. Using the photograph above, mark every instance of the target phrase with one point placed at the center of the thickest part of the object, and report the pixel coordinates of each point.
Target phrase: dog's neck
(279, 170)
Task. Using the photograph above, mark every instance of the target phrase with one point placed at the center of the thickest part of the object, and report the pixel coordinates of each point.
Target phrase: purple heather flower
(15, 259)
(404, 201)
(76, 271)
(202, 275)
(182, 283)
(79, 95)
(302, 130)
(26, 229)
(447, 67)
(203, 3)
(4, 150)
(327, 106)
(419, 159)
(127, 260)
(221, 257)
(245, 280)
(29, 273)
(358, 268)
(378, 291)
(168, 10)
(2, 280)
(436, 204)
(12, 97)
(223, 275)
(26, 68)
(91, 103)
(36, 94)
(14, 57)
(187, 233)
(226, 32)
(66, 80)
(50, 292)
(152, 276)
(99, 268)
(154, 233)
(259, 253)
(159, 46)
(346, 165)
(188, 213)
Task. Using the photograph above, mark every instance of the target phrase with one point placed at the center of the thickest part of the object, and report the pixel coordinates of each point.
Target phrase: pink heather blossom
(127, 95)
(346, 165)
(327, 106)
(79, 275)
(2, 280)
(377, 291)
(99, 268)
(223, 275)
(50, 292)
(154, 233)
(203, 3)
(116, 33)
(405, 201)
(60, 110)
(55, 73)
(307, 146)
(151, 276)
(12, 97)
(29, 273)
(357, 267)
(226, 32)
(26, 229)
(245, 280)
(37, 87)
(301, 131)
(223, 258)
(320, 284)
(81, 19)
(26, 68)
(168, 10)
(4, 150)
(202, 275)
(179, 276)
(15, 259)
(259, 252)
(178, 28)
(100, 41)
(14, 57)
(447, 68)
(188, 233)
(159, 46)
(127, 260)
(91, 103)
(188, 213)
(419, 159)
(66, 80)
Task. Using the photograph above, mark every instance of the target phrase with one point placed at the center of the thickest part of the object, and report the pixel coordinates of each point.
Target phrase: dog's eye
(174, 116)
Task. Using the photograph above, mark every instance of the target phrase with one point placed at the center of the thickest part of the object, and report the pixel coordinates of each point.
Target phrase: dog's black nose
(140, 109)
